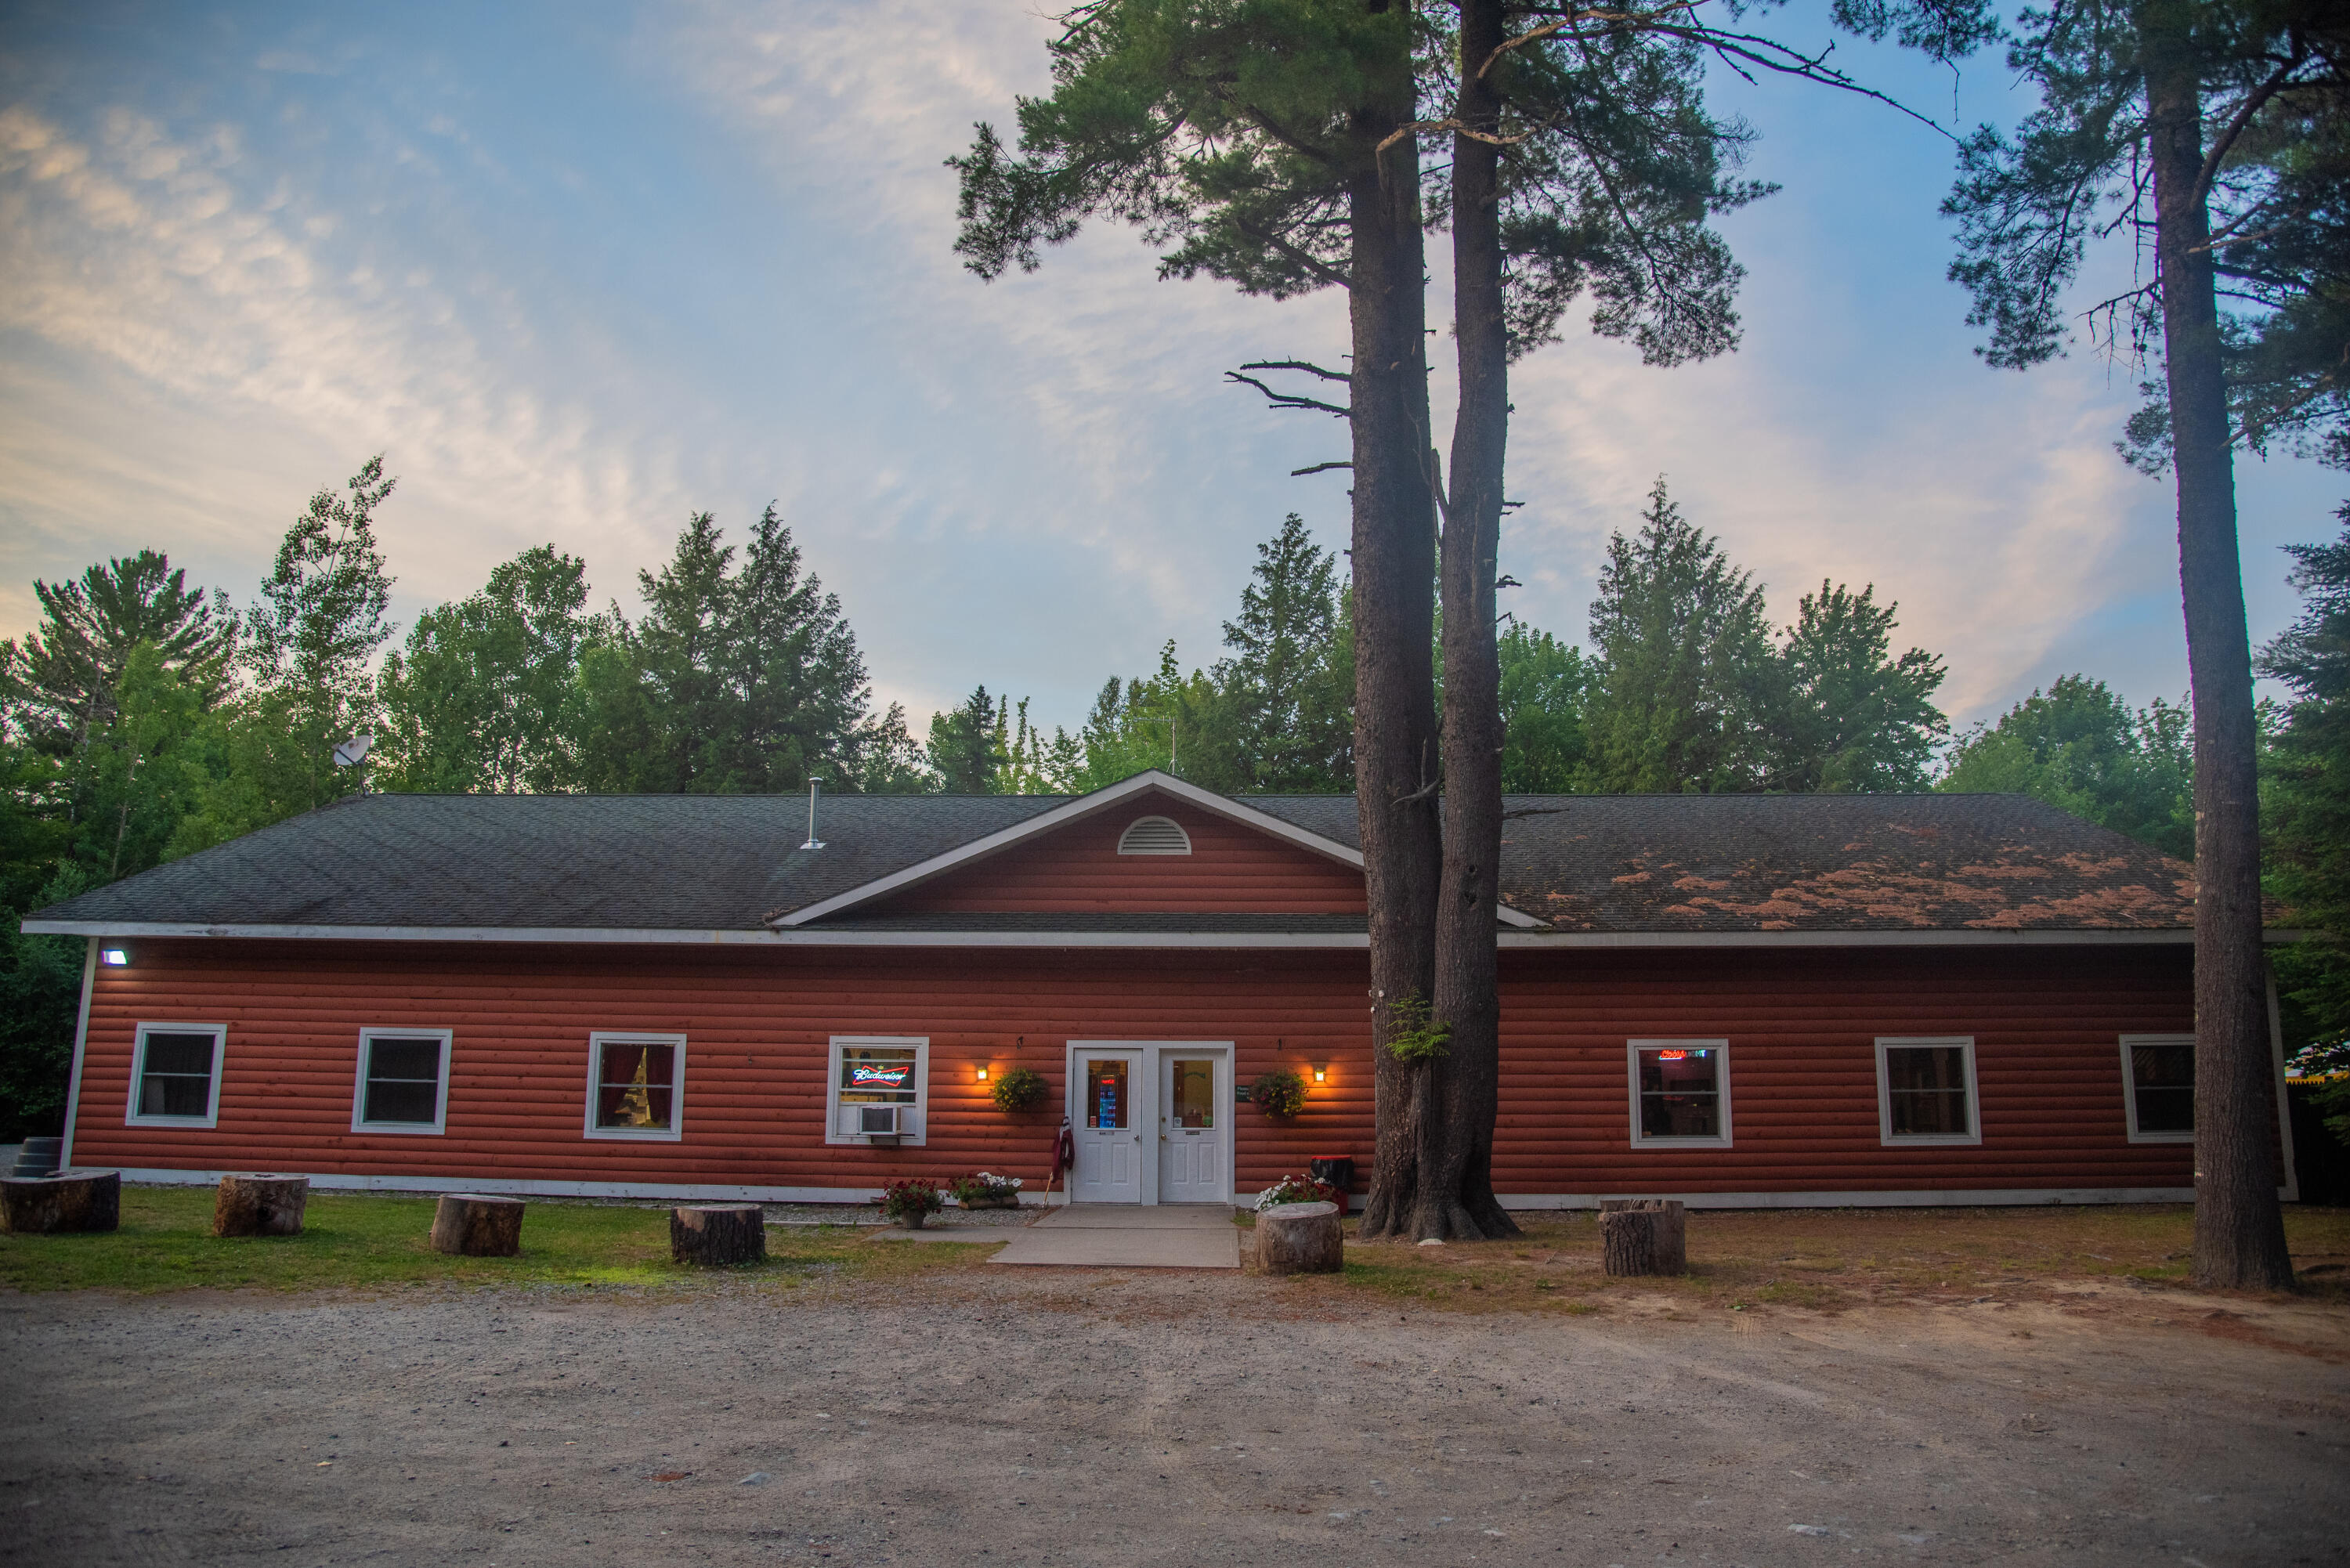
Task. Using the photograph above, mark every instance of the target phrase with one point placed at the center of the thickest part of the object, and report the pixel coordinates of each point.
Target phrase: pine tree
(1688, 686)
(2187, 125)
(2311, 844)
(1284, 695)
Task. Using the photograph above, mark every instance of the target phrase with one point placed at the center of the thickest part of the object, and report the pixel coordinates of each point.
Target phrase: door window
(1191, 1093)
(1107, 1094)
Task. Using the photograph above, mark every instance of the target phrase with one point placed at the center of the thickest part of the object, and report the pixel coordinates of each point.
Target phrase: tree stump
(70, 1200)
(714, 1237)
(1300, 1238)
(1644, 1236)
(472, 1225)
(260, 1204)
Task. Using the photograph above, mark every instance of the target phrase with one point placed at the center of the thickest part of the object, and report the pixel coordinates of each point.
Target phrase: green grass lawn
(365, 1240)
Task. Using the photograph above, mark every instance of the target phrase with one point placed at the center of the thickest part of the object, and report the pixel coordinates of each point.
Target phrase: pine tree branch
(1288, 399)
(1317, 468)
(1309, 368)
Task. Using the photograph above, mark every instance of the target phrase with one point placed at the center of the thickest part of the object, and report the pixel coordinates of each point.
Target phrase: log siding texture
(1802, 1027)
(1231, 869)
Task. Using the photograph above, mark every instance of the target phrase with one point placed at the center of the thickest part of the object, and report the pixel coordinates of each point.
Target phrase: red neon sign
(1672, 1055)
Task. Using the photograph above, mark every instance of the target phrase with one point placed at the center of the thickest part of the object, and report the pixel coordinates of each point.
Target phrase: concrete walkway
(1129, 1236)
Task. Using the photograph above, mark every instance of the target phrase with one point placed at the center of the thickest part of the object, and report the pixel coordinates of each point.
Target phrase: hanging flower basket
(1279, 1093)
(1021, 1089)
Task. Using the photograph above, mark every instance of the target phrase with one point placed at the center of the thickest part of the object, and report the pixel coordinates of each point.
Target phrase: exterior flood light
(117, 957)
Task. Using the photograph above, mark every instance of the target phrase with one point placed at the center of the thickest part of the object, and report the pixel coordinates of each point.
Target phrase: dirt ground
(1010, 1416)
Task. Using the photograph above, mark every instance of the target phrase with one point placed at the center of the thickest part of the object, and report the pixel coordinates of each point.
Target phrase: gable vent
(1154, 835)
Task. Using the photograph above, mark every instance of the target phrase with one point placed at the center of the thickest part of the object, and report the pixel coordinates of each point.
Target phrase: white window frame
(1973, 1134)
(920, 1047)
(1632, 1049)
(596, 1043)
(2130, 1087)
(133, 1117)
(360, 1081)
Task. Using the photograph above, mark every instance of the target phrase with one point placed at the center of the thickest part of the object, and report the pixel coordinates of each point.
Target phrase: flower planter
(1008, 1200)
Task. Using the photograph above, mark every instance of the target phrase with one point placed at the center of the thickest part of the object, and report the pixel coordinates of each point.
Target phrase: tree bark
(719, 1235)
(1394, 560)
(1457, 1137)
(2239, 1226)
(1640, 1236)
(472, 1225)
(70, 1200)
(1433, 1177)
(1300, 1238)
(260, 1205)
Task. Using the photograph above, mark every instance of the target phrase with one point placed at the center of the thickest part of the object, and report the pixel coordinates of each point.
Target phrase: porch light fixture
(1321, 1072)
(982, 1073)
(117, 957)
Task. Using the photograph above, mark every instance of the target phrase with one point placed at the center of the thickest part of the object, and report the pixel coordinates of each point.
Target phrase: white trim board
(818, 936)
(81, 1049)
(1960, 1198)
(659, 1191)
(651, 1191)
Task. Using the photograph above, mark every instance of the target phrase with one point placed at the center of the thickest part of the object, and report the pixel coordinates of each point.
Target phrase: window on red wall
(1681, 1093)
(1926, 1092)
(636, 1085)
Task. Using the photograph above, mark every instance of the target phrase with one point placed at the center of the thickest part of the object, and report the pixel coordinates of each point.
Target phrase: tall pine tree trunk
(1394, 601)
(2239, 1227)
(1452, 1194)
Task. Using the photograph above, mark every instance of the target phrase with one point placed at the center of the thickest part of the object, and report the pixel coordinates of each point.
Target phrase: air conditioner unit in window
(880, 1121)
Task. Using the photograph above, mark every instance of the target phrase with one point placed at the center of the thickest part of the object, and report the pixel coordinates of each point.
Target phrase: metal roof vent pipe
(813, 841)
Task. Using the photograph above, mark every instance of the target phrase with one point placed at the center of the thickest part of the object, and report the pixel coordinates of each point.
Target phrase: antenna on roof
(353, 753)
(813, 841)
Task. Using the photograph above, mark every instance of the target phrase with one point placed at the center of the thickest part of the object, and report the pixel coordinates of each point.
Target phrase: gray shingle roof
(1632, 863)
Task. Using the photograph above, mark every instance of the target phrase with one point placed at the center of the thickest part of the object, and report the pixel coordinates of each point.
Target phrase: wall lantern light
(983, 1074)
(117, 957)
(1321, 1072)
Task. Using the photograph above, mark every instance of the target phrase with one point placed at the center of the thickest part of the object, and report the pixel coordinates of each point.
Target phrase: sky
(578, 270)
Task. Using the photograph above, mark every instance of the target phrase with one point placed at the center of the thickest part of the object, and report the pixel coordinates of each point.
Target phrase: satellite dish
(353, 752)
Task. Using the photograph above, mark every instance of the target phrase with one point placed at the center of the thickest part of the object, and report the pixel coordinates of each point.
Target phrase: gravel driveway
(1101, 1418)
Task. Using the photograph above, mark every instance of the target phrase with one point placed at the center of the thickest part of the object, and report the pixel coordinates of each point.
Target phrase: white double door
(1152, 1121)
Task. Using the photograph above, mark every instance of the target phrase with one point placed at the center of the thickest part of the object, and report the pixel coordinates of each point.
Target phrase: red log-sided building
(1730, 1000)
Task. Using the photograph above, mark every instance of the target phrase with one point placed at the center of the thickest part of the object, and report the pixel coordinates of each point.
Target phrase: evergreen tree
(1856, 718)
(733, 681)
(2310, 847)
(802, 679)
(1282, 704)
(1688, 684)
(964, 749)
(2185, 125)
(2080, 747)
(60, 684)
(886, 760)
(1275, 144)
(487, 695)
